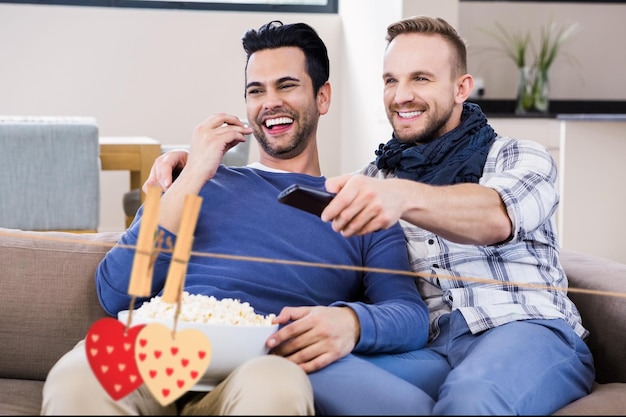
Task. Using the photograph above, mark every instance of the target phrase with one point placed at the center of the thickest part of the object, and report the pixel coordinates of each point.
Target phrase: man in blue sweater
(327, 315)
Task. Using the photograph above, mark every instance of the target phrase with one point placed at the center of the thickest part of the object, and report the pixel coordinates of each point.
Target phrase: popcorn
(204, 309)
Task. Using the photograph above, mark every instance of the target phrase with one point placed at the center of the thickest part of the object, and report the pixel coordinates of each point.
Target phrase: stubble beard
(295, 146)
(434, 128)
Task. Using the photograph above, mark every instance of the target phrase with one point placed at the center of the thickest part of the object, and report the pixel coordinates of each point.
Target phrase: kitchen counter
(558, 108)
(593, 117)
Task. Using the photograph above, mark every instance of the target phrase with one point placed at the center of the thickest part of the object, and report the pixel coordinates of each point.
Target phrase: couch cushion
(605, 400)
(48, 298)
(603, 309)
(20, 397)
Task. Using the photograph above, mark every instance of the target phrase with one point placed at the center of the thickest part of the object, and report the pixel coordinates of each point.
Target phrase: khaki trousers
(268, 385)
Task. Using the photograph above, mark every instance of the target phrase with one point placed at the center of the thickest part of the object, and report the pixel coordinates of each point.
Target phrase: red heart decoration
(111, 354)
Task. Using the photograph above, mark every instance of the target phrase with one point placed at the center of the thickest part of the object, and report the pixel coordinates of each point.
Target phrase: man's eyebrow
(413, 74)
(276, 82)
(253, 84)
(284, 79)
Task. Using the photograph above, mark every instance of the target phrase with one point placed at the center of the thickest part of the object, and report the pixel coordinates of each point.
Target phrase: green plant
(533, 88)
(552, 38)
(518, 45)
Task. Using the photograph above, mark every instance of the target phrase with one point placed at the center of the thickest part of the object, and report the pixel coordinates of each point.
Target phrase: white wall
(363, 116)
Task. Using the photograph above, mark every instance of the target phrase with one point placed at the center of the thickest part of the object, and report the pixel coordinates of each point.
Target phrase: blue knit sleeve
(114, 271)
(393, 317)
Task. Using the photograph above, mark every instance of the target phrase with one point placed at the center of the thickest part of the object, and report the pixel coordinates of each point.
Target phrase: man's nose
(272, 100)
(404, 93)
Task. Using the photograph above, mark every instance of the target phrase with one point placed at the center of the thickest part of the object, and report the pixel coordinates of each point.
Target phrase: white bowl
(231, 345)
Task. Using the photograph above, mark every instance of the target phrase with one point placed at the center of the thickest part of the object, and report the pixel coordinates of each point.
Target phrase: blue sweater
(241, 216)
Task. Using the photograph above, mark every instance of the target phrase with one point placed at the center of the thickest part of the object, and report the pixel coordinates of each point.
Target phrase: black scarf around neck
(456, 157)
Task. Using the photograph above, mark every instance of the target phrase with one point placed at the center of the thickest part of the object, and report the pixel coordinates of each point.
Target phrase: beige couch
(48, 302)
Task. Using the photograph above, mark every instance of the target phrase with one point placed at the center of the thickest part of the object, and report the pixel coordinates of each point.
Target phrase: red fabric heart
(111, 355)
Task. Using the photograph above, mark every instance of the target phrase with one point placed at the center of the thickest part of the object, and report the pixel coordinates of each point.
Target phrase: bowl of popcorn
(235, 331)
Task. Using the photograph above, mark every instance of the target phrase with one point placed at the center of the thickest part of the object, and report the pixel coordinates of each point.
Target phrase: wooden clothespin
(145, 254)
(182, 250)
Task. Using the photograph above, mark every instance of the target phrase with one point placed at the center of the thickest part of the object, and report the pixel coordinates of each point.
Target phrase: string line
(332, 266)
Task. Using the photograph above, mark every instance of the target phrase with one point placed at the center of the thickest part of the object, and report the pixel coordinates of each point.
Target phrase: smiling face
(282, 107)
(422, 95)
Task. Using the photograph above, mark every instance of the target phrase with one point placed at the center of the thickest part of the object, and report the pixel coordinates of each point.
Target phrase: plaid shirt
(522, 278)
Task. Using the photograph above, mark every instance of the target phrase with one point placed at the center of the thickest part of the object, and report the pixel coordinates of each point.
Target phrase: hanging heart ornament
(110, 349)
(171, 363)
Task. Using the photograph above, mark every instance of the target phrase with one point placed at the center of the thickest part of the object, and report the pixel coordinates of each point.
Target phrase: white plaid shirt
(526, 280)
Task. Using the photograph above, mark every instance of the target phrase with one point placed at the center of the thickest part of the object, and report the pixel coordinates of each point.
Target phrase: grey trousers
(268, 385)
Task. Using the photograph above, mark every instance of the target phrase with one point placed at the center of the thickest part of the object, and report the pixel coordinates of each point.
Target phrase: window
(295, 6)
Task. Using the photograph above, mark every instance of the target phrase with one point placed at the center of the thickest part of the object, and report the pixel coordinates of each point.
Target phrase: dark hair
(276, 35)
(434, 26)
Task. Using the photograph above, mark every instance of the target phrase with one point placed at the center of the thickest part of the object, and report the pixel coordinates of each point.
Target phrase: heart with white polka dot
(110, 349)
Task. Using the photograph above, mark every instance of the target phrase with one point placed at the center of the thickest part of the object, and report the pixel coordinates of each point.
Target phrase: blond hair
(433, 26)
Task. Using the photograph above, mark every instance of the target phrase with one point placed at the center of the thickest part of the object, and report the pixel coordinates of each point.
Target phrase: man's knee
(275, 384)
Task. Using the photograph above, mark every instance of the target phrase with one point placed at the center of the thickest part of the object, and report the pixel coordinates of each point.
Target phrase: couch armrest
(603, 314)
(48, 297)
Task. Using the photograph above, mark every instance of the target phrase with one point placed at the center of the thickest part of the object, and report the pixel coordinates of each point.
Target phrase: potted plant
(533, 90)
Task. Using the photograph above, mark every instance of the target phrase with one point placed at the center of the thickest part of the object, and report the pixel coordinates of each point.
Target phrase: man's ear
(323, 98)
(464, 87)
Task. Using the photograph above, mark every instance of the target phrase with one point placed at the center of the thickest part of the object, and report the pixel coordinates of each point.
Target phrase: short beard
(295, 147)
(434, 129)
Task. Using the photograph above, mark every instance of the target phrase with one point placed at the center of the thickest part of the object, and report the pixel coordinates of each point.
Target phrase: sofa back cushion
(48, 297)
(598, 288)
